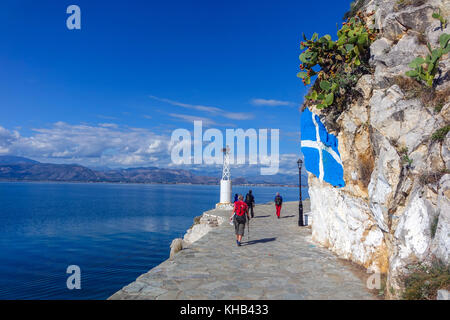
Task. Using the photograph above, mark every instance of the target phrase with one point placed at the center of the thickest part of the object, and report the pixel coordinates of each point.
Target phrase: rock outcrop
(205, 224)
(202, 225)
(397, 176)
(175, 247)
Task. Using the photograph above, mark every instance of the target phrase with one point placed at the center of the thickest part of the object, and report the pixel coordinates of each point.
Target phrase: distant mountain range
(14, 168)
(15, 160)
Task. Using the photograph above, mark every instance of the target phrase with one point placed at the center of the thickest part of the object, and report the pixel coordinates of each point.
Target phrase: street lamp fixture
(300, 204)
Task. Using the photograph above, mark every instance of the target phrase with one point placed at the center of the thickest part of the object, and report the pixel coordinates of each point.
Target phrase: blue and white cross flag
(320, 150)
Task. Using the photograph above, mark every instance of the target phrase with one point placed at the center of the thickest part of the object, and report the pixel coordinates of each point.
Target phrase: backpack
(278, 200)
(240, 212)
(248, 199)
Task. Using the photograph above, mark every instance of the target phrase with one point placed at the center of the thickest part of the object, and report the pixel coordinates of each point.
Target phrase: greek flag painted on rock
(320, 150)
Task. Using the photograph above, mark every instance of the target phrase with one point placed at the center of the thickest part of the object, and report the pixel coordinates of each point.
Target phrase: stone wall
(383, 217)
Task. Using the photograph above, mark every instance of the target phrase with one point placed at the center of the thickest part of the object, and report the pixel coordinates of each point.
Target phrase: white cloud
(112, 146)
(101, 116)
(88, 145)
(211, 110)
(271, 102)
(108, 125)
(207, 122)
(190, 118)
(7, 138)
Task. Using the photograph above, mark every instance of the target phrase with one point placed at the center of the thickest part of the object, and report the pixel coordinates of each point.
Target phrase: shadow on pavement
(261, 217)
(264, 240)
(282, 217)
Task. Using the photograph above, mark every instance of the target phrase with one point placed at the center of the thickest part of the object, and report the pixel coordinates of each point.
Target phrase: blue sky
(137, 70)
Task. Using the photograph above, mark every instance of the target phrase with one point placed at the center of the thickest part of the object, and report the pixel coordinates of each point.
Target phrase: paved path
(278, 262)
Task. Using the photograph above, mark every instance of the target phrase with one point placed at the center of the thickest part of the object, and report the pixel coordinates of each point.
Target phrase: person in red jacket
(278, 204)
(240, 215)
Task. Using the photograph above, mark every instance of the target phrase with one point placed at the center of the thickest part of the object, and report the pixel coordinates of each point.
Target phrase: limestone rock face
(443, 295)
(441, 241)
(176, 246)
(344, 224)
(395, 207)
(445, 150)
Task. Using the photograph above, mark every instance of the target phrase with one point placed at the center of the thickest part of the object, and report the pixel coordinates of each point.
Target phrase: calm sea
(113, 232)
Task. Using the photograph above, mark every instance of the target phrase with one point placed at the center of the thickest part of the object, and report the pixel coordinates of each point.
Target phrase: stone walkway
(278, 262)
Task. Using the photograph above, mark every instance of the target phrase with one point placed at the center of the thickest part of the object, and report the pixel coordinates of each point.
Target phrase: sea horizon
(150, 183)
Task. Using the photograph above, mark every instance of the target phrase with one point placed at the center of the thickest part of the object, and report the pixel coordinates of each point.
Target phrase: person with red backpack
(278, 204)
(239, 214)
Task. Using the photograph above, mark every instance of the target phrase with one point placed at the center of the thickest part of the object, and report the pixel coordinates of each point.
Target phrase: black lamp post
(300, 204)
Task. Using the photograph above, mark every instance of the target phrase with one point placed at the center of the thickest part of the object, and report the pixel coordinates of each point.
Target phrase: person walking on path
(239, 213)
(236, 197)
(278, 204)
(250, 201)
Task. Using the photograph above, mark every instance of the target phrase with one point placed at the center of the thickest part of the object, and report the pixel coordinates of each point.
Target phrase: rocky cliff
(394, 210)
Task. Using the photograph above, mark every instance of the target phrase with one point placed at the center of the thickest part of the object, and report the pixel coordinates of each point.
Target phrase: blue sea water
(113, 232)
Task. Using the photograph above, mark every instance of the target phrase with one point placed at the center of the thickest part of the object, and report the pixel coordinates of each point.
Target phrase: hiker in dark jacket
(278, 204)
(250, 201)
(235, 197)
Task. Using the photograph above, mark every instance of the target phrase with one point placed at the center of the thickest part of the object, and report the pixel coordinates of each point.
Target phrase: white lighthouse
(225, 182)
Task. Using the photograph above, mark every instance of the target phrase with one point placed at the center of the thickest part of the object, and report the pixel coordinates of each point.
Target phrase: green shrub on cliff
(433, 227)
(438, 16)
(425, 69)
(440, 134)
(423, 281)
(337, 64)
